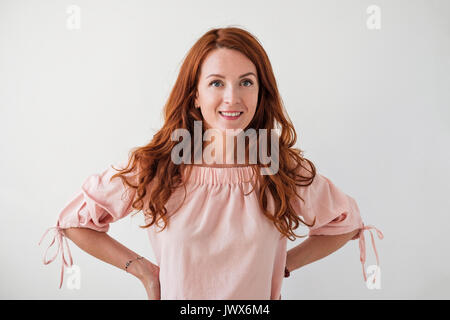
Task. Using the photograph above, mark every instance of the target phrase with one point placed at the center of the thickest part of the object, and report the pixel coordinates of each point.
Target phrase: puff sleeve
(98, 203)
(335, 213)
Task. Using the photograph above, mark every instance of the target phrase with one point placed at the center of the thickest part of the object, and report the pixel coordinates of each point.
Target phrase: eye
(218, 81)
(215, 81)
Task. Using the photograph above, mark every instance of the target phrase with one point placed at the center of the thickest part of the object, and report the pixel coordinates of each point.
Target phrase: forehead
(227, 62)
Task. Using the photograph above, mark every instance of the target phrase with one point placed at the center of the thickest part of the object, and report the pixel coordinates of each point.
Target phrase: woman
(218, 229)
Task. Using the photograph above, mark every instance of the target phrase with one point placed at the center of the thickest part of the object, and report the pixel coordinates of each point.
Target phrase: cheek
(211, 101)
(251, 102)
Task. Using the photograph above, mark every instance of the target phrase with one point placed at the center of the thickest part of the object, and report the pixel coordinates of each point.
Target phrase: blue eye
(218, 81)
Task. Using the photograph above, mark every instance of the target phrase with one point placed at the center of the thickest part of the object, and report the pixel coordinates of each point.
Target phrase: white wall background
(371, 108)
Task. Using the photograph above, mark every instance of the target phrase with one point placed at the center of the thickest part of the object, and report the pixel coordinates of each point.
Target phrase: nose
(232, 96)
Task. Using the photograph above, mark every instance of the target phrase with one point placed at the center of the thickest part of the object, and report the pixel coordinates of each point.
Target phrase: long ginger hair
(151, 165)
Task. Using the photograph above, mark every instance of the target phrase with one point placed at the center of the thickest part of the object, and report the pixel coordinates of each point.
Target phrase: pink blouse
(218, 245)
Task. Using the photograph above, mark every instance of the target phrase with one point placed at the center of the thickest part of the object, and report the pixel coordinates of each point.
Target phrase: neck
(222, 151)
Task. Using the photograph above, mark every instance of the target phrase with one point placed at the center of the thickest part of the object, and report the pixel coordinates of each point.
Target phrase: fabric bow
(362, 247)
(59, 237)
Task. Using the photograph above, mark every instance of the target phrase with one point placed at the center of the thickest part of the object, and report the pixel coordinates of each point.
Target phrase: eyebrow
(221, 76)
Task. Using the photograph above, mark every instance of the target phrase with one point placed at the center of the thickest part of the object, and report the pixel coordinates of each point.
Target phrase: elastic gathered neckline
(221, 175)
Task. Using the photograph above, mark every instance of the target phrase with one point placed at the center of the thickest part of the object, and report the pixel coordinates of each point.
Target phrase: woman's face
(227, 91)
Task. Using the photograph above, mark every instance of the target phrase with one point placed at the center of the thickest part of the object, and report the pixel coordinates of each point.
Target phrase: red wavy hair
(151, 165)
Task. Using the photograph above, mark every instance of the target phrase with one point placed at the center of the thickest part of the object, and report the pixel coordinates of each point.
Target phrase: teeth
(230, 114)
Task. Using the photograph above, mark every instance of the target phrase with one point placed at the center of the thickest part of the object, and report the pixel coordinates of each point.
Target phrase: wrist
(145, 270)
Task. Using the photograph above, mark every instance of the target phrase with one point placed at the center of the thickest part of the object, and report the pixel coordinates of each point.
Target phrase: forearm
(315, 248)
(107, 249)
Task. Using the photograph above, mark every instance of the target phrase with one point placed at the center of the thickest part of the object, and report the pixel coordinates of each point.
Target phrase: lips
(231, 115)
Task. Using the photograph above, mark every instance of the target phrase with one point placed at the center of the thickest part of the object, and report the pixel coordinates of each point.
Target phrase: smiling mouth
(231, 115)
